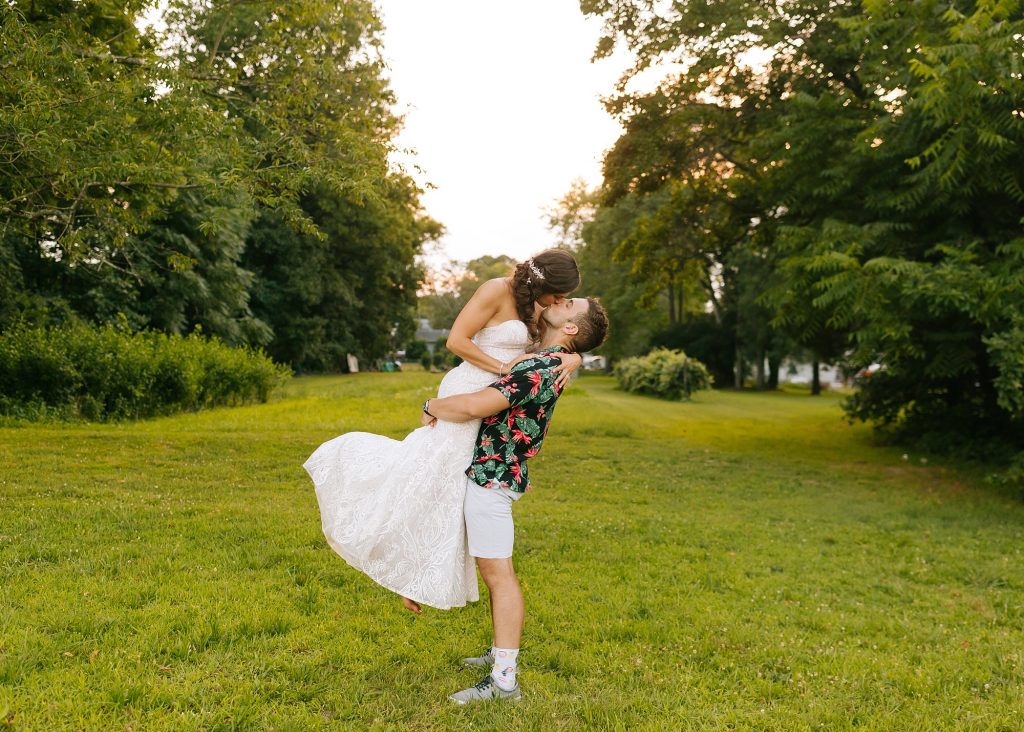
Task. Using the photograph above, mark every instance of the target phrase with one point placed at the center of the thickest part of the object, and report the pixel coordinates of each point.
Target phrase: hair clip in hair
(535, 269)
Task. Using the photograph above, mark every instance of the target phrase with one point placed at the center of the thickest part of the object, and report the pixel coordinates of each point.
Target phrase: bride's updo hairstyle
(551, 272)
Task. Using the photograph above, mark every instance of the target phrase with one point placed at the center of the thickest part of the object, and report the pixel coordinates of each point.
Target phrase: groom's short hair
(592, 325)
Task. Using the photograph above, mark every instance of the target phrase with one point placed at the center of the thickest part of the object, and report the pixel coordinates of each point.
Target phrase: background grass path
(745, 561)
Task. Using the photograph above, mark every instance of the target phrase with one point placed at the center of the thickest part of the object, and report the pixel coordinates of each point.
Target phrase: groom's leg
(507, 608)
(491, 534)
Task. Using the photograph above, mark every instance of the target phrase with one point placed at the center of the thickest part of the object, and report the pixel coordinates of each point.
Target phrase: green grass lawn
(744, 561)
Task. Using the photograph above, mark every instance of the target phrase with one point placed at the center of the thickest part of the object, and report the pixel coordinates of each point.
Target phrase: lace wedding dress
(394, 509)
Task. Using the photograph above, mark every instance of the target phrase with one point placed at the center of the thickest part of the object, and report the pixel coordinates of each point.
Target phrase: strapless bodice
(503, 341)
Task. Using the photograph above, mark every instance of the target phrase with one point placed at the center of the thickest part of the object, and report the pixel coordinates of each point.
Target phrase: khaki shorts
(489, 525)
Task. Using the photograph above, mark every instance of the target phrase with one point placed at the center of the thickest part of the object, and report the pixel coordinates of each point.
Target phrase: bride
(394, 510)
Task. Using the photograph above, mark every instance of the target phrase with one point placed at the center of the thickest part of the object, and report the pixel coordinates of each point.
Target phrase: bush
(415, 349)
(663, 373)
(80, 371)
(711, 342)
(443, 358)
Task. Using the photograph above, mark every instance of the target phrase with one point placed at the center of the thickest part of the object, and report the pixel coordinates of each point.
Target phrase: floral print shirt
(510, 438)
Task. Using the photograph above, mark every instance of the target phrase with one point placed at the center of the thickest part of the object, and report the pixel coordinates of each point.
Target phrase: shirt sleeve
(522, 386)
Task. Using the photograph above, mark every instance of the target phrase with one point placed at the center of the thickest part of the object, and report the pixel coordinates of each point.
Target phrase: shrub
(80, 371)
(664, 373)
(415, 349)
(705, 338)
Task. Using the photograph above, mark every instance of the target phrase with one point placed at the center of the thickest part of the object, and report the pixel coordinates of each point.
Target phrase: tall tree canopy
(863, 163)
(143, 174)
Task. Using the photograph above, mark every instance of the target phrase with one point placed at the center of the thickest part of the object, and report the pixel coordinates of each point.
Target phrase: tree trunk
(738, 370)
(774, 362)
(760, 370)
(671, 303)
(815, 377)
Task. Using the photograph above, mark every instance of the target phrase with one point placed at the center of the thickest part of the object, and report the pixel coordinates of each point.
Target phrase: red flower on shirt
(520, 436)
(514, 412)
(535, 382)
(517, 472)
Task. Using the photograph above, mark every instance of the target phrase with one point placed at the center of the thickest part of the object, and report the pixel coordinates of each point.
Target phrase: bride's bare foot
(411, 605)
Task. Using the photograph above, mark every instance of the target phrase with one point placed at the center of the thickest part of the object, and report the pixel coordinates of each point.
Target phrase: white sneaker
(486, 690)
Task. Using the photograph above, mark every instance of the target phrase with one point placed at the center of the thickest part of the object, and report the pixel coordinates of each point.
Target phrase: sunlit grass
(743, 561)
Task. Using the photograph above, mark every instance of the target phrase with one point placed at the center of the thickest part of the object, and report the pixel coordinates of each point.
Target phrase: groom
(516, 411)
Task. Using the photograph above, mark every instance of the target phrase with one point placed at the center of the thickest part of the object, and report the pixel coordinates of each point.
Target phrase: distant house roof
(425, 333)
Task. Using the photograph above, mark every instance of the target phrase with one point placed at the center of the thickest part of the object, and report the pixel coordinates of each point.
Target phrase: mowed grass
(744, 561)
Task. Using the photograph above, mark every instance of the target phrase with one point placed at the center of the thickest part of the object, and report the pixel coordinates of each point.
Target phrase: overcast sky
(501, 104)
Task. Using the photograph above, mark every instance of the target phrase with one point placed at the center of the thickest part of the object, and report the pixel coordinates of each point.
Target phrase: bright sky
(501, 104)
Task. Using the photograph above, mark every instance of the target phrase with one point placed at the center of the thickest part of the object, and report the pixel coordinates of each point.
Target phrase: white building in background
(791, 372)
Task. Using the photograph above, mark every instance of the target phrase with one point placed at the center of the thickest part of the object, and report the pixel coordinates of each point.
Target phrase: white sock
(504, 671)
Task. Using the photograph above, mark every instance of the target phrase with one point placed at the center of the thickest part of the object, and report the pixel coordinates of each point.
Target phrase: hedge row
(103, 373)
(664, 373)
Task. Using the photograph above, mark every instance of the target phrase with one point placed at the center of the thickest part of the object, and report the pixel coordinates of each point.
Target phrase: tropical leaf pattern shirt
(508, 439)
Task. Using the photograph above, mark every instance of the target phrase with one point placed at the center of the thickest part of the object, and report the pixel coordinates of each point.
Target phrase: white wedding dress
(394, 510)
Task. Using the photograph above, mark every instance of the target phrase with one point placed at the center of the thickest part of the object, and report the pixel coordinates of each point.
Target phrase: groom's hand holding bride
(570, 363)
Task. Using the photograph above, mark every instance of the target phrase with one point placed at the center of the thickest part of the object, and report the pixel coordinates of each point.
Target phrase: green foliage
(104, 132)
(415, 349)
(302, 83)
(352, 292)
(708, 341)
(235, 181)
(92, 151)
(872, 172)
(594, 235)
(663, 373)
(108, 373)
(948, 334)
(177, 277)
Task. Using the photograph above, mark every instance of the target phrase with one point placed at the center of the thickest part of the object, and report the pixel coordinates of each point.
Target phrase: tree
(353, 291)
(91, 151)
(887, 143)
(594, 234)
(235, 179)
(301, 84)
(103, 132)
(175, 277)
